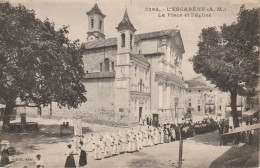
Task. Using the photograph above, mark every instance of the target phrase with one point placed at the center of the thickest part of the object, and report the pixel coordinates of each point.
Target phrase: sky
(73, 13)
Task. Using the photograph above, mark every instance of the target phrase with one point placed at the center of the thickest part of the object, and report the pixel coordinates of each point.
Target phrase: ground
(200, 151)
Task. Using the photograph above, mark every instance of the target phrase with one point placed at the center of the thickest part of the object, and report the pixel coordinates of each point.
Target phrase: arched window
(100, 67)
(123, 40)
(100, 25)
(141, 85)
(131, 41)
(92, 23)
(107, 65)
(113, 66)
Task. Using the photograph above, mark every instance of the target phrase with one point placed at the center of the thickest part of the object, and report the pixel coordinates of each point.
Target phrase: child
(39, 162)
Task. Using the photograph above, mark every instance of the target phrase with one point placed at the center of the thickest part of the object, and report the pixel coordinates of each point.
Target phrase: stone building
(129, 77)
(205, 98)
(132, 76)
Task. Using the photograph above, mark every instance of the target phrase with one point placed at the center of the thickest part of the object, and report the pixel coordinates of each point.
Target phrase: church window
(141, 85)
(106, 65)
(113, 66)
(100, 25)
(100, 67)
(92, 23)
(135, 71)
(198, 108)
(131, 41)
(123, 40)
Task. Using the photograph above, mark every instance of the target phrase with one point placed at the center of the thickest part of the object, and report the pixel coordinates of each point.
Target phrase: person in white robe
(128, 140)
(156, 136)
(99, 149)
(122, 139)
(161, 135)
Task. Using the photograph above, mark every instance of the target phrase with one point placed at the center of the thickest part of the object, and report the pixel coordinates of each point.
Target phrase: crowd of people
(223, 126)
(206, 125)
(105, 145)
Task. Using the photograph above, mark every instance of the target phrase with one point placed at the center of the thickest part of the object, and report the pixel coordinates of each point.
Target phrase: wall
(92, 58)
(98, 108)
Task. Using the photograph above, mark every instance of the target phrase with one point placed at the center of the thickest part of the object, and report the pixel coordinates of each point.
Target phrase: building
(132, 76)
(205, 98)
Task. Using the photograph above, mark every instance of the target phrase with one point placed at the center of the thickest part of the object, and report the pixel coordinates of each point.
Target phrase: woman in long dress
(83, 155)
(92, 141)
(127, 141)
(98, 149)
(150, 138)
(70, 162)
(107, 146)
(122, 140)
(145, 138)
(156, 136)
(165, 132)
(173, 135)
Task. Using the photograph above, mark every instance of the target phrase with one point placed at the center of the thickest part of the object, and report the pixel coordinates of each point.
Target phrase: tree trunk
(234, 108)
(10, 105)
(50, 109)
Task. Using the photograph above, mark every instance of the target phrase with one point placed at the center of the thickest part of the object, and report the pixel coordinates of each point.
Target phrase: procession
(129, 140)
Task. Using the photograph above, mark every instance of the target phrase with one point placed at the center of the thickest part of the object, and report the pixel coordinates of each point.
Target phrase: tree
(228, 57)
(37, 63)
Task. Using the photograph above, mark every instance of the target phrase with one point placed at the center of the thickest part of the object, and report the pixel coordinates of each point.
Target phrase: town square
(129, 84)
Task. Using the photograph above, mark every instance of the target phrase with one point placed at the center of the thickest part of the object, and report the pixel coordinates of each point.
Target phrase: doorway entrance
(155, 120)
(140, 113)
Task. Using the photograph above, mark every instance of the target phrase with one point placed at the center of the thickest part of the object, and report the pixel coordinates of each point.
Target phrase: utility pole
(180, 148)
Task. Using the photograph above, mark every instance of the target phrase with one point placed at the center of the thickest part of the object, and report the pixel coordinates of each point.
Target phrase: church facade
(132, 76)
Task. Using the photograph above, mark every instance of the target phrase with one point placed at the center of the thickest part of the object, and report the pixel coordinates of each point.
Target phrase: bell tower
(95, 24)
(125, 44)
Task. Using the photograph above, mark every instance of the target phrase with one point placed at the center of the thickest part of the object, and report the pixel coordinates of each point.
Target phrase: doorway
(155, 120)
(140, 113)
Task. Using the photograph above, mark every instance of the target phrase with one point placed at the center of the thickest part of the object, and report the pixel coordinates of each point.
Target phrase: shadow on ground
(148, 163)
(244, 156)
(47, 134)
(210, 138)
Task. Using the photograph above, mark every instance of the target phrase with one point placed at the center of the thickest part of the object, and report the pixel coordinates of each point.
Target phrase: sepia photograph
(129, 83)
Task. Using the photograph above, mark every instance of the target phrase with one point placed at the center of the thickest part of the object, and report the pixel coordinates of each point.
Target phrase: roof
(200, 82)
(101, 43)
(156, 34)
(113, 41)
(243, 128)
(139, 57)
(193, 84)
(164, 76)
(125, 23)
(100, 75)
(251, 111)
(95, 10)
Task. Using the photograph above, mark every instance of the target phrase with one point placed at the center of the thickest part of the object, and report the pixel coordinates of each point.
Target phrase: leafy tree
(228, 57)
(37, 63)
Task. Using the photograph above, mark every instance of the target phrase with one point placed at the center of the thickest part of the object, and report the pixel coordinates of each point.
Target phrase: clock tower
(125, 44)
(95, 24)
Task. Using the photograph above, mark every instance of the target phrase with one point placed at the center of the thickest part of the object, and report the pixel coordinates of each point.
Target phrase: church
(132, 76)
